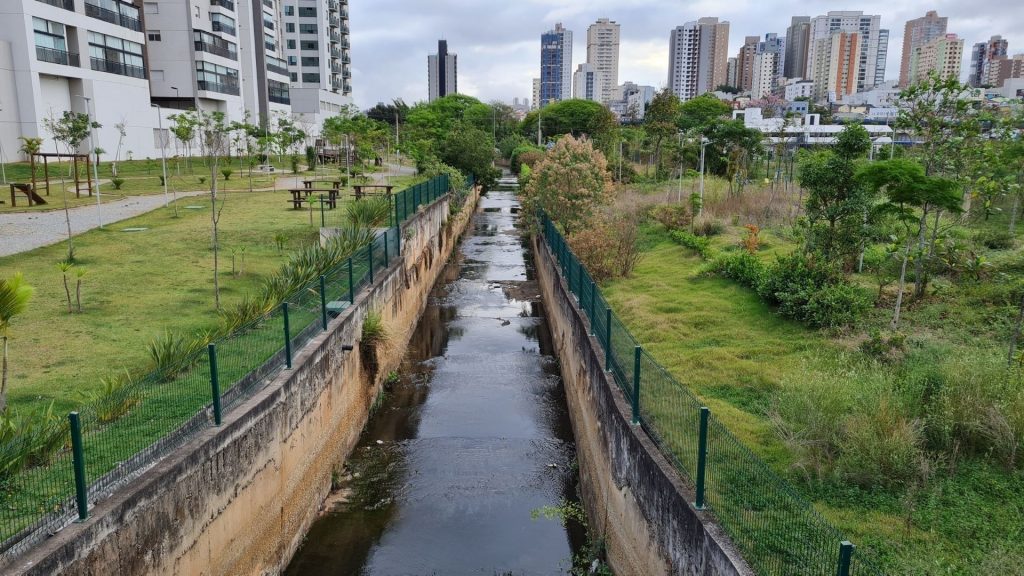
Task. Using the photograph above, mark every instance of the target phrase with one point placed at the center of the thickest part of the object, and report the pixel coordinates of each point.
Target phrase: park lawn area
(735, 353)
(138, 285)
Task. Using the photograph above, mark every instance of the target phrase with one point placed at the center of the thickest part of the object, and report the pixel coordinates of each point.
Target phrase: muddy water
(473, 437)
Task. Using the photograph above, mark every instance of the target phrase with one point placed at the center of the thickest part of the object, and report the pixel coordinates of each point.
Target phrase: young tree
(660, 121)
(14, 296)
(912, 196)
(122, 131)
(570, 183)
(71, 129)
(30, 147)
(183, 126)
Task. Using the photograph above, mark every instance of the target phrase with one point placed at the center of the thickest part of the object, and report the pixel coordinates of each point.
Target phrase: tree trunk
(68, 292)
(903, 283)
(213, 233)
(1016, 332)
(78, 295)
(922, 238)
(3, 381)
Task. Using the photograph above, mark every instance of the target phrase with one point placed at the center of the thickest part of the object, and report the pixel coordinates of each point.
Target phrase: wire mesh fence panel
(670, 414)
(44, 488)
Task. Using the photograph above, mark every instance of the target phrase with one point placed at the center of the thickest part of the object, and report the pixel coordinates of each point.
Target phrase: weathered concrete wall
(238, 499)
(634, 499)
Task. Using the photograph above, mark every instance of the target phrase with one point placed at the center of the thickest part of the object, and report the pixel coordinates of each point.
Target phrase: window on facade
(216, 78)
(295, 77)
(116, 55)
(310, 77)
(307, 12)
(310, 61)
(289, 27)
(309, 45)
(116, 7)
(269, 42)
(153, 35)
(49, 35)
(307, 29)
(206, 42)
(289, 10)
(222, 23)
(291, 44)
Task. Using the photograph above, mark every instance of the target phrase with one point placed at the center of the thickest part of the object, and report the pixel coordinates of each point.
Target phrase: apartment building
(555, 65)
(836, 65)
(872, 43)
(442, 72)
(317, 49)
(86, 56)
(942, 55)
(917, 33)
(698, 57)
(603, 55)
(745, 63)
(798, 39)
(588, 83)
(764, 74)
(982, 54)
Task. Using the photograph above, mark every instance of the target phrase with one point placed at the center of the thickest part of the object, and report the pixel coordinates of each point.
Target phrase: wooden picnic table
(309, 183)
(360, 187)
(300, 195)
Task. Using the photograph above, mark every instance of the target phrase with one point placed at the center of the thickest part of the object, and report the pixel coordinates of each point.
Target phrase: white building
(588, 83)
(765, 64)
(603, 55)
(535, 102)
(864, 33)
(806, 130)
(698, 57)
(54, 56)
(797, 88)
(316, 38)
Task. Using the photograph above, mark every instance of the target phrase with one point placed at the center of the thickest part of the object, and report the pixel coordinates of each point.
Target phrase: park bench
(302, 195)
(372, 190)
(336, 184)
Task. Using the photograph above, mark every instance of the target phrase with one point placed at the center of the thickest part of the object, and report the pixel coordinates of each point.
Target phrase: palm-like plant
(14, 296)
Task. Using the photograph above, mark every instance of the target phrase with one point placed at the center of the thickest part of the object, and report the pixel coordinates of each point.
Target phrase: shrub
(227, 172)
(161, 177)
(310, 158)
(117, 182)
(752, 241)
(202, 179)
(699, 244)
(881, 447)
(375, 336)
(742, 267)
(885, 348)
(812, 292)
(834, 306)
(672, 216)
(368, 212)
(995, 239)
(707, 226)
(171, 354)
(608, 247)
(295, 163)
(117, 396)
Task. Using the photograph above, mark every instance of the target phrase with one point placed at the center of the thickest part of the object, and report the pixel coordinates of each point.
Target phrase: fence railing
(777, 530)
(105, 446)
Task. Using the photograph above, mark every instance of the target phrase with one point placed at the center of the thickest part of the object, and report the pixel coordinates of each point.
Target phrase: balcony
(120, 68)
(226, 4)
(270, 46)
(65, 4)
(277, 67)
(334, 22)
(218, 50)
(209, 86)
(332, 5)
(100, 13)
(336, 67)
(346, 59)
(335, 52)
(268, 24)
(334, 36)
(347, 88)
(54, 56)
(279, 96)
(222, 27)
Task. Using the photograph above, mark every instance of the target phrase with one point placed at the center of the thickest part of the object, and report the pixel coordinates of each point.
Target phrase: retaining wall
(239, 498)
(635, 500)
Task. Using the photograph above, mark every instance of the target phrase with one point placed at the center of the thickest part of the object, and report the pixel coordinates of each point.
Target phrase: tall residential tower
(698, 57)
(555, 65)
(442, 72)
(917, 33)
(603, 56)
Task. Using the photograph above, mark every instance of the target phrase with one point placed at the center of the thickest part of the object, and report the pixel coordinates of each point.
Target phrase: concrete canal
(470, 439)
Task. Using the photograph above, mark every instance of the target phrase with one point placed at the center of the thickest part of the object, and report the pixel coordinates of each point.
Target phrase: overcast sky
(498, 42)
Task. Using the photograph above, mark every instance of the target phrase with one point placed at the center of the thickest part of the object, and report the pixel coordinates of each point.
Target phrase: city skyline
(391, 38)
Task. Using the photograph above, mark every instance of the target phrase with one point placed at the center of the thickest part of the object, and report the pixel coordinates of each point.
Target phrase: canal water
(472, 439)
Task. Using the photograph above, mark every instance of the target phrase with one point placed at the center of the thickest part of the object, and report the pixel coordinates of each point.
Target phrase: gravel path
(24, 231)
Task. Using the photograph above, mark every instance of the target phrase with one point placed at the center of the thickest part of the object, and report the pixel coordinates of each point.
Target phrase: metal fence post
(78, 460)
(608, 340)
(369, 258)
(636, 384)
(323, 301)
(287, 336)
(351, 283)
(211, 349)
(593, 290)
(846, 549)
(702, 456)
(386, 259)
(322, 221)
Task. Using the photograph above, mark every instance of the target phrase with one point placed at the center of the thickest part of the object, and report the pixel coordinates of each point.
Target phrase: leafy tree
(389, 113)
(30, 147)
(727, 89)
(698, 115)
(14, 297)
(732, 150)
(570, 183)
(661, 120)
(364, 134)
(71, 129)
(576, 117)
(837, 202)
(184, 129)
(912, 196)
(469, 149)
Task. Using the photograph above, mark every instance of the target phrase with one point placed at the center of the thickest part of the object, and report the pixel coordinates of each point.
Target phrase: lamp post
(679, 192)
(94, 145)
(703, 144)
(163, 150)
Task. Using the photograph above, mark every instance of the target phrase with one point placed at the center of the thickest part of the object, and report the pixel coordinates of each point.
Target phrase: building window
(213, 44)
(293, 61)
(222, 23)
(307, 29)
(289, 27)
(291, 44)
(115, 12)
(295, 77)
(289, 10)
(215, 78)
(307, 12)
(116, 56)
(311, 61)
(269, 42)
(277, 92)
(311, 77)
(309, 45)
(51, 45)
(153, 36)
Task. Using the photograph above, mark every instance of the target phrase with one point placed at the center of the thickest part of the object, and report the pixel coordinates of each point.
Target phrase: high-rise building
(764, 74)
(1002, 69)
(730, 71)
(872, 42)
(442, 72)
(798, 40)
(745, 63)
(603, 55)
(535, 103)
(317, 47)
(772, 44)
(698, 57)
(981, 54)
(942, 55)
(588, 83)
(555, 65)
(836, 65)
(917, 33)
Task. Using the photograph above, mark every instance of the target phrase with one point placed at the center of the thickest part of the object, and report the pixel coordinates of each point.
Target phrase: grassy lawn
(737, 354)
(138, 285)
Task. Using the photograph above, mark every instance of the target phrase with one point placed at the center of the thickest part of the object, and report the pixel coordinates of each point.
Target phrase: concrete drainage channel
(471, 440)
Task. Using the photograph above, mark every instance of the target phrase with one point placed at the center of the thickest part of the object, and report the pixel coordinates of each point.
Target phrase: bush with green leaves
(227, 172)
(700, 244)
(117, 182)
(995, 239)
(370, 212)
(741, 266)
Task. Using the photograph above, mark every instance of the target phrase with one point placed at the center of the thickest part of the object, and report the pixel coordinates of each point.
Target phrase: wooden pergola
(75, 159)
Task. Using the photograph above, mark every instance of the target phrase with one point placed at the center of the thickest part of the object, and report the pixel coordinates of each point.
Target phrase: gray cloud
(498, 43)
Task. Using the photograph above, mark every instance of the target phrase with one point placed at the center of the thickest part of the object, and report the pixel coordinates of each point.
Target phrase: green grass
(733, 351)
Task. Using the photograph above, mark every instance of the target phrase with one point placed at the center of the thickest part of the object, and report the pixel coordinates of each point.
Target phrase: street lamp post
(163, 150)
(703, 144)
(94, 145)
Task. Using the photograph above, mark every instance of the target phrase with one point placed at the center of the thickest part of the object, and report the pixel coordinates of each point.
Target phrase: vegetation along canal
(471, 440)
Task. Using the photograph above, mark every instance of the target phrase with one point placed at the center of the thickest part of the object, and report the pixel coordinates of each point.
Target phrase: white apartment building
(588, 83)
(317, 48)
(765, 67)
(81, 55)
(698, 58)
(872, 44)
(942, 55)
(796, 88)
(603, 55)
(835, 65)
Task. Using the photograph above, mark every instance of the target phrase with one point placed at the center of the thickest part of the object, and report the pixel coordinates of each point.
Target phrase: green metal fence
(776, 529)
(104, 447)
